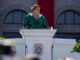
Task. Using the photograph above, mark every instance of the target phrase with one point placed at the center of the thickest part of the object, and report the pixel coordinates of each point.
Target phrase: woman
(35, 20)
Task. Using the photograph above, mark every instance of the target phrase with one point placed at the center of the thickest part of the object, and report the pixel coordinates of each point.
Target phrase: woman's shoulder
(41, 16)
(29, 14)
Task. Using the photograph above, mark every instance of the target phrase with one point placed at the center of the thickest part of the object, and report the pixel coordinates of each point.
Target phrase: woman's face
(37, 10)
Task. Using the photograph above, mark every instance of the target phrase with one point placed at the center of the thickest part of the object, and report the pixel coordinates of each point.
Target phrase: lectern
(39, 41)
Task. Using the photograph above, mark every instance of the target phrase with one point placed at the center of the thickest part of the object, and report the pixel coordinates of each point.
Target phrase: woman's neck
(35, 15)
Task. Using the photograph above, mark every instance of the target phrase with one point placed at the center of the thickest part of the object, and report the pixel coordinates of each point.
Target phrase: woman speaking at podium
(35, 20)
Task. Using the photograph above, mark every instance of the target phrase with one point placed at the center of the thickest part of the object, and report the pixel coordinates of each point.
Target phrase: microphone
(37, 20)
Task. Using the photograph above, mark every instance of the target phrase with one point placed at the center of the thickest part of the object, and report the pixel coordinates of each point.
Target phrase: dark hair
(6, 50)
(35, 58)
(34, 7)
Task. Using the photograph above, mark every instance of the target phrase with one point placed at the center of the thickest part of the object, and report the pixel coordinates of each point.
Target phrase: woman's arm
(25, 22)
(45, 24)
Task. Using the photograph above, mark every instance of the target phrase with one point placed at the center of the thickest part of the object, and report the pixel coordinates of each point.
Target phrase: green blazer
(30, 22)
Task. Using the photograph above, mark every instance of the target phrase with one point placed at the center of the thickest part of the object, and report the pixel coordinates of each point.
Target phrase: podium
(39, 41)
